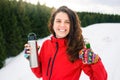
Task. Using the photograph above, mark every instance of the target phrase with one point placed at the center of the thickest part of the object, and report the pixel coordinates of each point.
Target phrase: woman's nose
(62, 24)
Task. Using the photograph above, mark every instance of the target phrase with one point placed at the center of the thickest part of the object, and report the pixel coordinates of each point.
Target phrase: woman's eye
(68, 22)
(58, 21)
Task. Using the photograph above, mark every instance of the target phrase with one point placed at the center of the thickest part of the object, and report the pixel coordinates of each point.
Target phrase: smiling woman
(66, 47)
(61, 25)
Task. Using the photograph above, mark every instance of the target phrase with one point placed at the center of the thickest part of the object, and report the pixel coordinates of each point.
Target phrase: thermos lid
(32, 36)
(87, 43)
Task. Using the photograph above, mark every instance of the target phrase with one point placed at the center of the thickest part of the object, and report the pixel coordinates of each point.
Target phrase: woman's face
(61, 25)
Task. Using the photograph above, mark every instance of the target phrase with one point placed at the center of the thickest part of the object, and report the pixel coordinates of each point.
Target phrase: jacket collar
(61, 41)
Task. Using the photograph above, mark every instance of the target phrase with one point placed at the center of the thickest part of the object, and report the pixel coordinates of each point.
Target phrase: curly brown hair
(75, 41)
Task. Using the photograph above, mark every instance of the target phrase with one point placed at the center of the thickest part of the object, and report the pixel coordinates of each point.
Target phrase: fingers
(27, 48)
(27, 51)
(38, 47)
(96, 59)
(26, 45)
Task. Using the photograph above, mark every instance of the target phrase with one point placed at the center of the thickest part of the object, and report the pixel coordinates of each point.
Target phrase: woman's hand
(88, 56)
(27, 50)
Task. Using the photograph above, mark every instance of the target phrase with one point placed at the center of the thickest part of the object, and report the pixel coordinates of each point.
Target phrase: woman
(64, 56)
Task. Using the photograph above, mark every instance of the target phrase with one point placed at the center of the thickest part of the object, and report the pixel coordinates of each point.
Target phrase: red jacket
(54, 64)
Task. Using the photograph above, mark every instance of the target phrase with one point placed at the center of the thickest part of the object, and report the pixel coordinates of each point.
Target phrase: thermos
(89, 54)
(34, 52)
(87, 44)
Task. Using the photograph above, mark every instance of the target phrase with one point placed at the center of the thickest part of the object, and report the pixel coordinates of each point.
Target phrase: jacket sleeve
(95, 71)
(37, 72)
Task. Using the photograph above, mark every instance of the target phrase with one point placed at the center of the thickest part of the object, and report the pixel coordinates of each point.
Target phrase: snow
(104, 39)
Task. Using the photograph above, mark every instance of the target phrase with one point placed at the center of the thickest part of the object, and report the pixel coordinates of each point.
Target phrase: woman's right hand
(27, 51)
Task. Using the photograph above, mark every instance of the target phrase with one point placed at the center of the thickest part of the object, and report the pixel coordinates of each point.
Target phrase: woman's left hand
(88, 56)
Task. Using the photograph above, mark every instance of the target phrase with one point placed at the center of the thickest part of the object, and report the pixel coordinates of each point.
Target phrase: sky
(102, 6)
(107, 46)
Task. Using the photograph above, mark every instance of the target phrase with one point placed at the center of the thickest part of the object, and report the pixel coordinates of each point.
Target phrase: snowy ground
(104, 39)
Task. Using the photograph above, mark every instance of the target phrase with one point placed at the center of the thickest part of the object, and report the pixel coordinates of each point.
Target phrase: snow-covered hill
(104, 39)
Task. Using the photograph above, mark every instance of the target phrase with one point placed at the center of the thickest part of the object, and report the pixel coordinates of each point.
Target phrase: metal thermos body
(34, 52)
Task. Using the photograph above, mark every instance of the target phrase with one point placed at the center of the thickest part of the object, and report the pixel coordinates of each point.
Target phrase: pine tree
(2, 48)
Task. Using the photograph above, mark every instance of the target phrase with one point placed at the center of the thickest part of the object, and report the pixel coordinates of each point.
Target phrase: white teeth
(61, 30)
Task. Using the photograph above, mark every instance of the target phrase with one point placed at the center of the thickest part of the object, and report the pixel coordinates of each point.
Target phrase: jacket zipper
(48, 66)
(53, 61)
